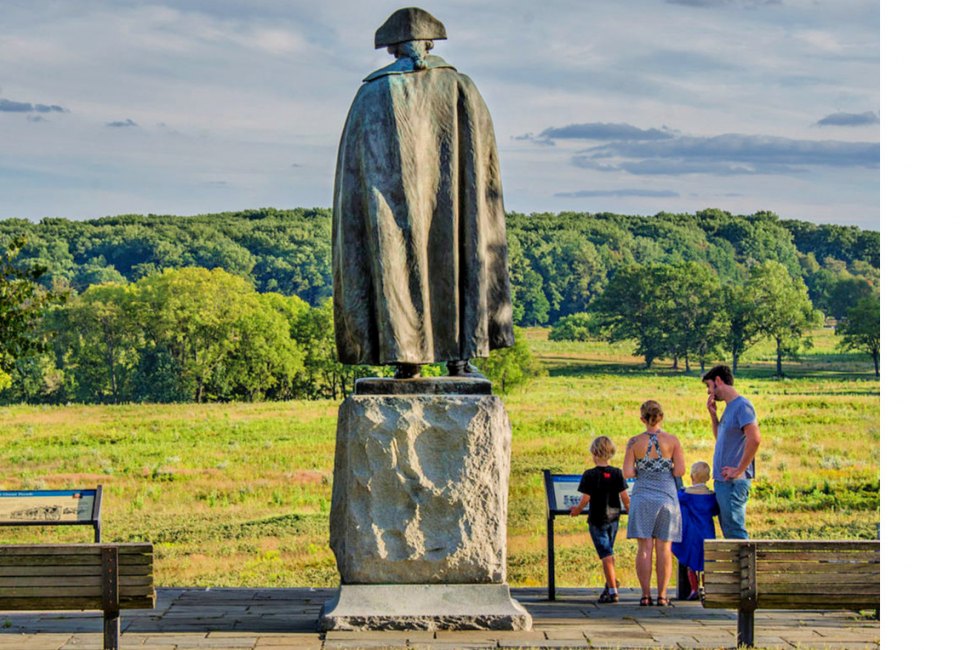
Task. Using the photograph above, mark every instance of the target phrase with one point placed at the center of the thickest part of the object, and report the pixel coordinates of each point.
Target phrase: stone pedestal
(418, 522)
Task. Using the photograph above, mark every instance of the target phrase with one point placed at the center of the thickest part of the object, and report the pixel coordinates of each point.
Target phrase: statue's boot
(463, 368)
(407, 371)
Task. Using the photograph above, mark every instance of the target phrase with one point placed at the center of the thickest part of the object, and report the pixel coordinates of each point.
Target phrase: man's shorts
(603, 538)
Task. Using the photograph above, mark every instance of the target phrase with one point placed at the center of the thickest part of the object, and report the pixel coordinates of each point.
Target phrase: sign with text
(49, 506)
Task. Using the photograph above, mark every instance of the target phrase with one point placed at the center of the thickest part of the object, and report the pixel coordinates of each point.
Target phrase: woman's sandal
(646, 601)
(664, 602)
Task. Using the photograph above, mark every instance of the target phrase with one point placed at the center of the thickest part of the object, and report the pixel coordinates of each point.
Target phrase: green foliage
(96, 271)
(861, 330)
(22, 303)
(846, 292)
(98, 342)
(676, 311)
(784, 312)
(742, 319)
(508, 368)
(670, 310)
(845, 243)
(581, 326)
(184, 334)
(323, 376)
(286, 251)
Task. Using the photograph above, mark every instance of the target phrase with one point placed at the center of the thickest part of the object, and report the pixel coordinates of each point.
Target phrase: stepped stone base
(424, 607)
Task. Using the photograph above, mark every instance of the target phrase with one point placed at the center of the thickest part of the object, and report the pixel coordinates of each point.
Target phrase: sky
(631, 106)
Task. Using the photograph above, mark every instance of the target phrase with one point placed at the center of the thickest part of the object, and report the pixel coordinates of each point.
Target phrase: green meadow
(239, 494)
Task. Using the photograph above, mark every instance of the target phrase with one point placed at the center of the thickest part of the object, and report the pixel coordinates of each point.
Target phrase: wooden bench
(108, 577)
(747, 575)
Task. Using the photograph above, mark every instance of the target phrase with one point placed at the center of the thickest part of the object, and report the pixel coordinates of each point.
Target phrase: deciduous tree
(783, 309)
(861, 330)
(22, 304)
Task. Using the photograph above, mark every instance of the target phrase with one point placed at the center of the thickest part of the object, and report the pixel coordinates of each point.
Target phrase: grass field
(239, 494)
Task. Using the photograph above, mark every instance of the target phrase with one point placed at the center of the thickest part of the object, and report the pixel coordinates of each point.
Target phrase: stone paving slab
(283, 619)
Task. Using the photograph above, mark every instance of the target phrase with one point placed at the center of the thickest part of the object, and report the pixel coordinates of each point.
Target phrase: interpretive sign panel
(51, 508)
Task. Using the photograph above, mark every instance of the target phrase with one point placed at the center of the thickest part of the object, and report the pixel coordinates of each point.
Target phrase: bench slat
(72, 603)
(72, 549)
(721, 603)
(822, 589)
(823, 601)
(79, 570)
(52, 592)
(821, 572)
(827, 555)
(821, 556)
(818, 579)
(721, 588)
(70, 581)
(820, 568)
(712, 552)
(75, 560)
(796, 545)
(766, 581)
(722, 579)
(725, 560)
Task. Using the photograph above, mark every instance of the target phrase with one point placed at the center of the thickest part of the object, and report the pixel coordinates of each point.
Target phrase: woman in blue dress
(655, 458)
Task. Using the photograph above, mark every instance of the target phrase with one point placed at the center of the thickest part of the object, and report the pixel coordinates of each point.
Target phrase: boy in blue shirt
(603, 487)
(698, 507)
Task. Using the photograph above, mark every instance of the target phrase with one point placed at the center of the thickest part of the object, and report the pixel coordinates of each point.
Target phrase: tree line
(558, 262)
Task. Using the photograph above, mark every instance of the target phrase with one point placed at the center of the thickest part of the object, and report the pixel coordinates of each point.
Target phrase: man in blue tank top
(737, 436)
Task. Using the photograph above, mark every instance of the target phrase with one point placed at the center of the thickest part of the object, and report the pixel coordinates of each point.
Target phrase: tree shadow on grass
(596, 369)
(858, 382)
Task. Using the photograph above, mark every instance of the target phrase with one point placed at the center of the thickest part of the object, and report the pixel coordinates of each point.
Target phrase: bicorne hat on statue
(409, 24)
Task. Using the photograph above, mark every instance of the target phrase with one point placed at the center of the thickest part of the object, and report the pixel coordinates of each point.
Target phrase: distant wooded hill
(559, 262)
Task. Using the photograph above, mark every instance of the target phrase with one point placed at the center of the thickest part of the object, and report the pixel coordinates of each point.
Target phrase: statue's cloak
(419, 236)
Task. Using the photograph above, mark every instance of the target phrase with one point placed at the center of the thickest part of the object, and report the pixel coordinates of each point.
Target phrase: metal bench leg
(551, 562)
(745, 628)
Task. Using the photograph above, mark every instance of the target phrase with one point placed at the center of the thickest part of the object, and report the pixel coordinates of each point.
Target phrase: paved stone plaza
(283, 619)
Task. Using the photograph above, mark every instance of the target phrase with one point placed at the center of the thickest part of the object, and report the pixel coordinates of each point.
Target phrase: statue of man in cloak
(419, 236)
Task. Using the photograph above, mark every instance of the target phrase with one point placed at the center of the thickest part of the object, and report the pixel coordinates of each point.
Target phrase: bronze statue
(419, 237)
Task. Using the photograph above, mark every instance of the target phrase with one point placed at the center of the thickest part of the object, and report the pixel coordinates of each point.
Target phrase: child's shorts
(603, 538)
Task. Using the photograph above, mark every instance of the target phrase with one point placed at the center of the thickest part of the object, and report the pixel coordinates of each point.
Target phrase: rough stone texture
(423, 386)
(425, 607)
(420, 490)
